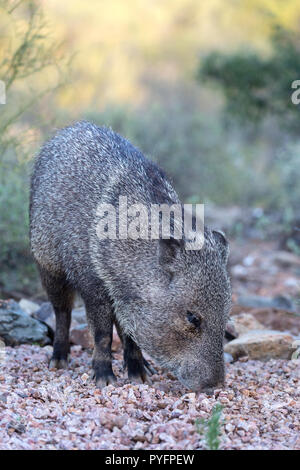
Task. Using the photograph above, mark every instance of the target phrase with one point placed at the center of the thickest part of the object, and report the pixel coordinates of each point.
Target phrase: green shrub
(211, 428)
(257, 86)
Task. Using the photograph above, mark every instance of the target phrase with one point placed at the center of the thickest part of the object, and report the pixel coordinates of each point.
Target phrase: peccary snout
(203, 376)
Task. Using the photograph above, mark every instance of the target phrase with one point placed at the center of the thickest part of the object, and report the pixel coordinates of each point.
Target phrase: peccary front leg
(134, 361)
(61, 296)
(100, 317)
(137, 366)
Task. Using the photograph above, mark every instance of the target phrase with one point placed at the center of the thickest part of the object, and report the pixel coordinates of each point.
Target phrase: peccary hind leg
(100, 316)
(61, 296)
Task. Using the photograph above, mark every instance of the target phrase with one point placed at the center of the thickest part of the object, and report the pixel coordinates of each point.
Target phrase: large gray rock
(17, 327)
(81, 335)
(78, 316)
(46, 315)
(262, 344)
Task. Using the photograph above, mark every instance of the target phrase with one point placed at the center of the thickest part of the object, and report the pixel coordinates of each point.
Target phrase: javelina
(168, 301)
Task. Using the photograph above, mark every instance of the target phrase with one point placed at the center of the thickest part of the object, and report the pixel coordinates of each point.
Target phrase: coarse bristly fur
(170, 302)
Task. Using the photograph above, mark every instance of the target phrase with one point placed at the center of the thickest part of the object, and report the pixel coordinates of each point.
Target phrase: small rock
(48, 349)
(138, 435)
(84, 377)
(81, 335)
(228, 358)
(240, 272)
(28, 306)
(14, 426)
(292, 282)
(296, 348)
(261, 344)
(3, 397)
(230, 328)
(229, 427)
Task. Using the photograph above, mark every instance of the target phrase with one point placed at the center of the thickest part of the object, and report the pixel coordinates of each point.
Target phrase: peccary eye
(193, 319)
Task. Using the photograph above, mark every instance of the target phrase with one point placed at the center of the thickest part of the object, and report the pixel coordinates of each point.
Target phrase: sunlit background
(204, 88)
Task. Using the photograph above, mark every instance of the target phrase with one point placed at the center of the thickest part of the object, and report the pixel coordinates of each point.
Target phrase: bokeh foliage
(26, 55)
(257, 90)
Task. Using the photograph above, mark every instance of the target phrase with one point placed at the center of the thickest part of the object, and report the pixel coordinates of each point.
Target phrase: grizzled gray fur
(168, 301)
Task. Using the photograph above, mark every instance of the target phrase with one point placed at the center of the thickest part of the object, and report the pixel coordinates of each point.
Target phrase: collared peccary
(170, 302)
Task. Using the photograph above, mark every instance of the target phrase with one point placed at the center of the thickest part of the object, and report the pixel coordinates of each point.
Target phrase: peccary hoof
(104, 381)
(58, 364)
(103, 376)
(140, 380)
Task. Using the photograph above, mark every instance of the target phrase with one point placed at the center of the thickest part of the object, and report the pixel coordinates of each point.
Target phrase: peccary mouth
(202, 388)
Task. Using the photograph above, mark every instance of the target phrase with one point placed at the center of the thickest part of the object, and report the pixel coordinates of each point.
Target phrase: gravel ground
(43, 409)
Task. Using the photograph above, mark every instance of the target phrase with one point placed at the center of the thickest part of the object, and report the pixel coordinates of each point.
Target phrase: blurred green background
(203, 88)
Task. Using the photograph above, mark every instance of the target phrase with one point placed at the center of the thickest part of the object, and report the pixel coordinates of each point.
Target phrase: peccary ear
(168, 251)
(222, 244)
